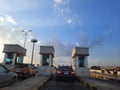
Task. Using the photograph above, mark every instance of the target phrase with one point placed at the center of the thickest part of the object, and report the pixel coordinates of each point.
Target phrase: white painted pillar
(20, 59)
(41, 59)
(74, 62)
(14, 57)
(5, 56)
(77, 64)
(50, 60)
(86, 61)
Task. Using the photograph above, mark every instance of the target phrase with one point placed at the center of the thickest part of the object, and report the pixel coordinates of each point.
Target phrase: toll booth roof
(47, 49)
(15, 48)
(80, 51)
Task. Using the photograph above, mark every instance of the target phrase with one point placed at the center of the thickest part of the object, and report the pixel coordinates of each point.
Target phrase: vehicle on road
(65, 72)
(22, 70)
(25, 70)
(32, 70)
(6, 76)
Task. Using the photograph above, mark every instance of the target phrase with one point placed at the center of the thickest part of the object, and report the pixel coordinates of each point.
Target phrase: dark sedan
(65, 72)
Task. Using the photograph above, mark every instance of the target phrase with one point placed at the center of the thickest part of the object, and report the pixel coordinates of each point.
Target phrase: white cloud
(63, 9)
(12, 36)
(62, 6)
(62, 51)
(69, 21)
(1, 20)
(62, 60)
(61, 1)
(10, 19)
(58, 1)
(7, 20)
(77, 44)
(83, 40)
(18, 6)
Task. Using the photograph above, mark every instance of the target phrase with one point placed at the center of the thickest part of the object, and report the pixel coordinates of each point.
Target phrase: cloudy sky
(63, 24)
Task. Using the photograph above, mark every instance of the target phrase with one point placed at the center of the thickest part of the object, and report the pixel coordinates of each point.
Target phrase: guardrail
(104, 76)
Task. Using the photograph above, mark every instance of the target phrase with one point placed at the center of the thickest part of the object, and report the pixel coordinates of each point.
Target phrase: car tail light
(13, 70)
(72, 73)
(24, 70)
(59, 72)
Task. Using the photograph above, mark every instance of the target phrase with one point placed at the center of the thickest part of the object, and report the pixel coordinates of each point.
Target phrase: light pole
(26, 33)
(33, 41)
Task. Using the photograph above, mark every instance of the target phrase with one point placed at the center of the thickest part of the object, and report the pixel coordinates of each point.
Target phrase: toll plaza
(80, 61)
(46, 60)
(13, 54)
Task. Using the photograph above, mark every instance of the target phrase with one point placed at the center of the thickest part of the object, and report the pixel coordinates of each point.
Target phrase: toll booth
(80, 61)
(14, 54)
(46, 60)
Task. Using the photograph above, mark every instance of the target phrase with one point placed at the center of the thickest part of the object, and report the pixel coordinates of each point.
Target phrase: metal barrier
(104, 76)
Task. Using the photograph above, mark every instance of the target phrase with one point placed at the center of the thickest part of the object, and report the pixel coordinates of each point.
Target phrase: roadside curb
(42, 85)
(86, 84)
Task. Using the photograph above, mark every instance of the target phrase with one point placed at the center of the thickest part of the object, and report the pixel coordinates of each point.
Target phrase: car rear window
(64, 68)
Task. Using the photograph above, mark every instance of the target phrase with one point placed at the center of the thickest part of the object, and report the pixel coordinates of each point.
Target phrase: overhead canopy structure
(80, 60)
(14, 48)
(47, 50)
(46, 60)
(80, 51)
(14, 54)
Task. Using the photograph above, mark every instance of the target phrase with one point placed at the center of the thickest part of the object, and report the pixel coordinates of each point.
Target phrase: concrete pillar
(80, 57)
(5, 56)
(41, 58)
(14, 58)
(46, 53)
(77, 64)
(73, 62)
(86, 61)
(50, 60)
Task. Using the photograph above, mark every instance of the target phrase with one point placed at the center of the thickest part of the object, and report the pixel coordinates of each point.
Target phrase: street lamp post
(26, 33)
(33, 41)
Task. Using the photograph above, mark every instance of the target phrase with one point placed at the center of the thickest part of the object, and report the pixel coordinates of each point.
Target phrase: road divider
(34, 83)
(88, 85)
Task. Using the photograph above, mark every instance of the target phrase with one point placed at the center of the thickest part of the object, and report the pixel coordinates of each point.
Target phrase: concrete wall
(44, 70)
(83, 72)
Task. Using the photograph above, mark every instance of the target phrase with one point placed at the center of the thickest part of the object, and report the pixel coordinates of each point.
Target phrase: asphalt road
(64, 85)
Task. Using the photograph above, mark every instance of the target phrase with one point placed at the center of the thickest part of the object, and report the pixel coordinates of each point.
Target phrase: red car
(22, 70)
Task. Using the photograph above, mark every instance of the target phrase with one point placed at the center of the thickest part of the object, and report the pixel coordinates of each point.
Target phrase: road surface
(29, 84)
(64, 85)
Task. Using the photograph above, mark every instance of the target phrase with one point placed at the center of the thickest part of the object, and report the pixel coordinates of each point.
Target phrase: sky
(63, 24)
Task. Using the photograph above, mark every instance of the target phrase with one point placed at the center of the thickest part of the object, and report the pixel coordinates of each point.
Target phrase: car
(32, 70)
(65, 72)
(22, 70)
(6, 77)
